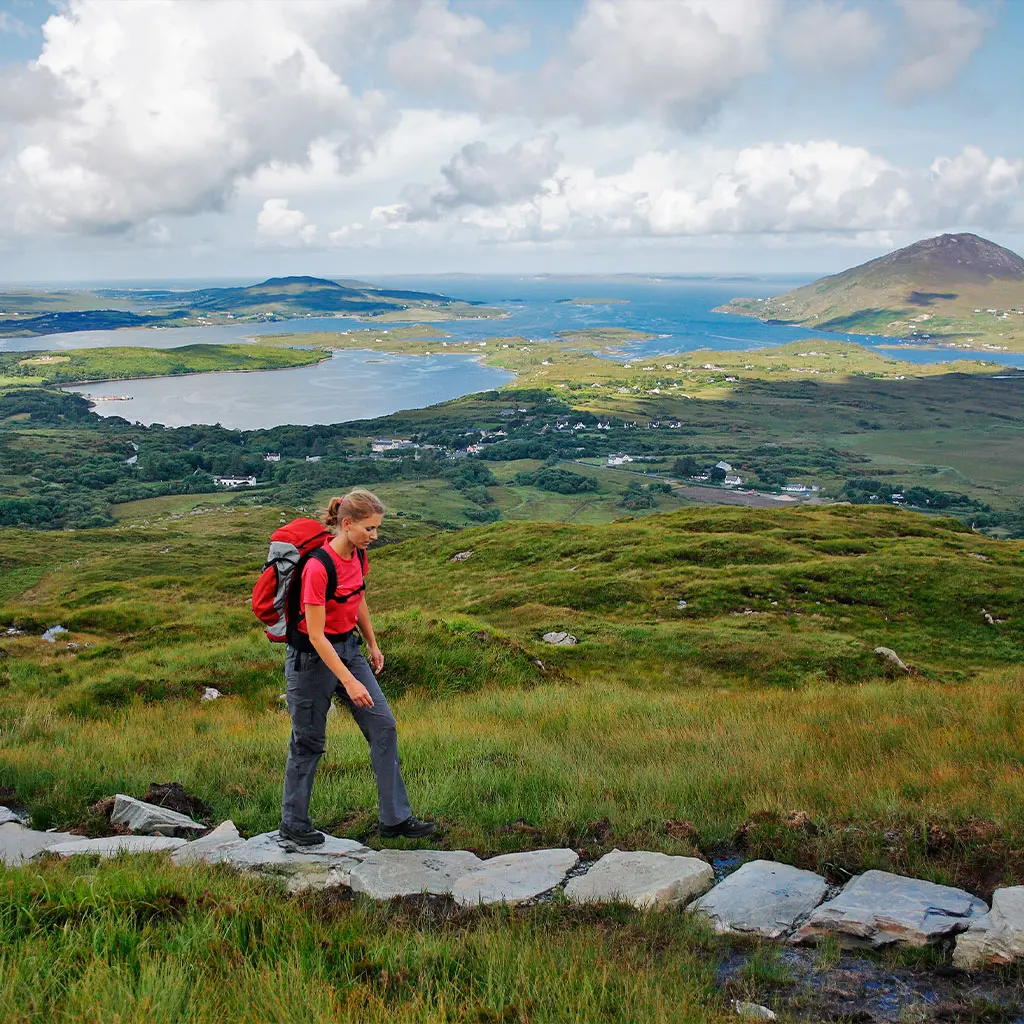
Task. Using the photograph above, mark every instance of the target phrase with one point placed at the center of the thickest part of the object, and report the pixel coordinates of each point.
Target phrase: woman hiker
(323, 660)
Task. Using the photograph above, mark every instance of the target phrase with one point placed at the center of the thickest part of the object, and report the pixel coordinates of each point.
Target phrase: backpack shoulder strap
(293, 616)
(323, 556)
(362, 560)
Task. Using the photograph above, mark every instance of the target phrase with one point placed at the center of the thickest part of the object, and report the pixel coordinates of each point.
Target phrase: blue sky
(186, 138)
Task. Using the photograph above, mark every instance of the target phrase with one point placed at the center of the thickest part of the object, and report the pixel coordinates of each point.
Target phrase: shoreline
(477, 357)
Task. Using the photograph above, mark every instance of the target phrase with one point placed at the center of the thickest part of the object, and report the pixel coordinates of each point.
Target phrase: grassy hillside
(958, 290)
(769, 667)
(754, 721)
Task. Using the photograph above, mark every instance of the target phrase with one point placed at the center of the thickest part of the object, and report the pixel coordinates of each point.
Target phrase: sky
(189, 139)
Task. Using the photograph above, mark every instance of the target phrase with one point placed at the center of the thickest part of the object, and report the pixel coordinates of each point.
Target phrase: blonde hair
(356, 505)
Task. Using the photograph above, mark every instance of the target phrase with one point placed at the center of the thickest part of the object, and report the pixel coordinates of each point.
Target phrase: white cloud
(978, 190)
(942, 36)
(770, 189)
(448, 52)
(828, 35)
(277, 223)
(170, 104)
(677, 60)
(479, 176)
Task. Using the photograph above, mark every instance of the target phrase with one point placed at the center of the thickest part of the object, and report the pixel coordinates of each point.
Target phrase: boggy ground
(756, 721)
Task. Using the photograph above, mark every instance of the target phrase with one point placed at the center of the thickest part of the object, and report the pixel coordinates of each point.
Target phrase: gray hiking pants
(311, 687)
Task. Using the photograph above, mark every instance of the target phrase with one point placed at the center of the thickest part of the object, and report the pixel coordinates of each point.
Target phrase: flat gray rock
(302, 867)
(878, 909)
(762, 898)
(112, 846)
(997, 938)
(389, 873)
(514, 877)
(212, 848)
(148, 819)
(19, 844)
(642, 879)
(559, 639)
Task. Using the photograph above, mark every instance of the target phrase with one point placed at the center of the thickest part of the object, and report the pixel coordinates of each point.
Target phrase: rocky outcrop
(762, 898)
(997, 938)
(150, 820)
(878, 909)
(559, 639)
(642, 879)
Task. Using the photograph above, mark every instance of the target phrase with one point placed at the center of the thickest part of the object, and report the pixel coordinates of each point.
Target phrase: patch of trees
(560, 481)
(636, 496)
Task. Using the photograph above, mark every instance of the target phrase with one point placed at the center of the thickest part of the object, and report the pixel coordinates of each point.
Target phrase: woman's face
(362, 532)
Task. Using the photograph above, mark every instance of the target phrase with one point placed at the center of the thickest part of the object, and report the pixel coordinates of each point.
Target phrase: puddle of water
(860, 989)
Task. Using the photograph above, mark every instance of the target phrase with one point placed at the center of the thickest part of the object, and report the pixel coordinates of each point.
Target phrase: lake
(352, 385)
(677, 310)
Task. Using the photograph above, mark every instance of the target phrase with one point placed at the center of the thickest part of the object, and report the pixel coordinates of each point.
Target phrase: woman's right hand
(358, 694)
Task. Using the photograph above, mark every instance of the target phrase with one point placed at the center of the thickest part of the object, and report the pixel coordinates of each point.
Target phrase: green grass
(689, 731)
(138, 941)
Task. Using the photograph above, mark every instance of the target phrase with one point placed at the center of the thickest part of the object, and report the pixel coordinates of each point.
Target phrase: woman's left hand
(375, 658)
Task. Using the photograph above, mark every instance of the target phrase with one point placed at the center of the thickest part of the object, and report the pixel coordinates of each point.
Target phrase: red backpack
(275, 597)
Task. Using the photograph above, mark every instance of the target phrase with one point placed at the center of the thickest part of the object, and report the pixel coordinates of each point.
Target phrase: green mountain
(958, 289)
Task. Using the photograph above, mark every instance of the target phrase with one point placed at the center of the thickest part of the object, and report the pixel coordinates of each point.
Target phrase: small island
(591, 302)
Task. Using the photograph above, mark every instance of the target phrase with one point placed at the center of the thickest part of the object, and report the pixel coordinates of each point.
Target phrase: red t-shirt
(340, 616)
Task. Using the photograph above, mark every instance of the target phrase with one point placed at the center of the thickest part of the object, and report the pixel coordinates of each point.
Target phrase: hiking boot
(301, 836)
(411, 828)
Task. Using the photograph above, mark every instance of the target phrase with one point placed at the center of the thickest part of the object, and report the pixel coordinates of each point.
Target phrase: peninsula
(33, 313)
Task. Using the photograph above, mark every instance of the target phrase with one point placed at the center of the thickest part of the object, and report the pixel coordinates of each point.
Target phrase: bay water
(677, 311)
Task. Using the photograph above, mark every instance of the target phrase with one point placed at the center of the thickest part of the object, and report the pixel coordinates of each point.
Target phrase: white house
(387, 444)
(732, 480)
(618, 460)
(272, 457)
(313, 458)
(235, 481)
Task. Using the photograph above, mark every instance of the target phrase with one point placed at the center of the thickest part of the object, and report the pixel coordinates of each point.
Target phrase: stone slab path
(765, 898)
(878, 909)
(514, 877)
(762, 898)
(389, 873)
(19, 844)
(112, 846)
(998, 936)
(642, 879)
